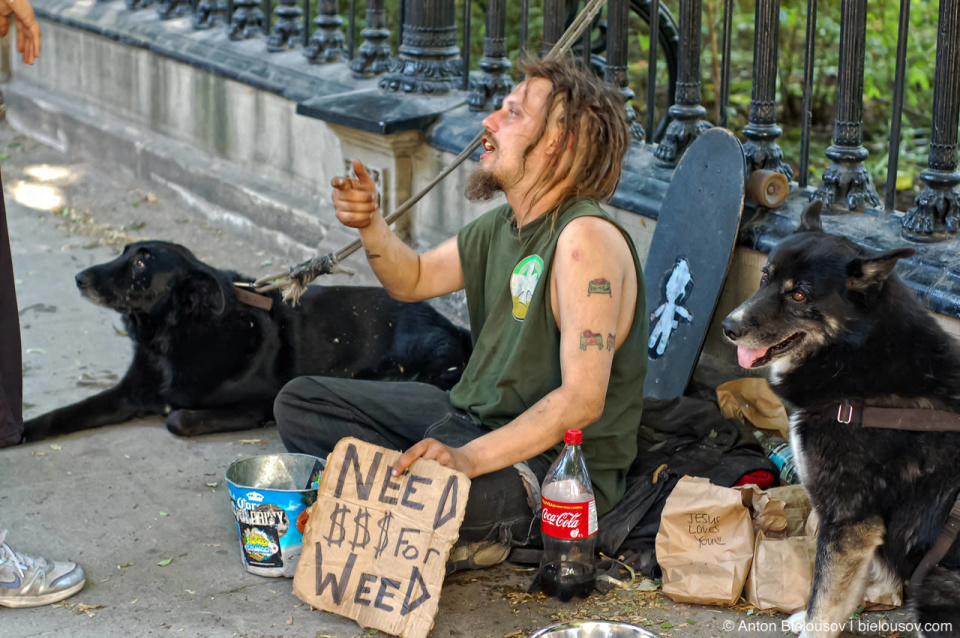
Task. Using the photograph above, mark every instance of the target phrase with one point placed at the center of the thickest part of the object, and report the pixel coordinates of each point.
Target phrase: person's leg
(314, 413)
(11, 370)
(503, 505)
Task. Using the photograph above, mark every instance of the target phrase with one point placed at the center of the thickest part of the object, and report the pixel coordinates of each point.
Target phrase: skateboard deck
(690, 254)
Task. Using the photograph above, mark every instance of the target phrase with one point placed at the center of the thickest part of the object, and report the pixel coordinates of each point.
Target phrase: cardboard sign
(375, 547)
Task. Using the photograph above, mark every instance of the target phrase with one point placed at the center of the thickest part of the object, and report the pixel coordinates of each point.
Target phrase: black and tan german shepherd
(836, 326)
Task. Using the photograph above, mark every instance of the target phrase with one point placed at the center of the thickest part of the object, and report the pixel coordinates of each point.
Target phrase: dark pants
(314, 413)
(11, 368)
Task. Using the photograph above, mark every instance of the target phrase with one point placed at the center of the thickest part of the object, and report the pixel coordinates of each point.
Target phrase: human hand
(433, 449)
(355, 200)
(28, 31)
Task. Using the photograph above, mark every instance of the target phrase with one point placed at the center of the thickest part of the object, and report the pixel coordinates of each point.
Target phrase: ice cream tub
(270, 494)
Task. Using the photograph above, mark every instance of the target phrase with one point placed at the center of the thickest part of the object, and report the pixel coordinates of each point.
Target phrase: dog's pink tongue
(747, 356)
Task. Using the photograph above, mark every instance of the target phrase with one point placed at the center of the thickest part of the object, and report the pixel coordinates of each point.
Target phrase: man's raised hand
(28, 31)
(355, 200)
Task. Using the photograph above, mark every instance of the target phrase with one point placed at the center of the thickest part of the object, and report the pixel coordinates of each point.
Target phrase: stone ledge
(375, 111)
(288, 73)
(228, 195)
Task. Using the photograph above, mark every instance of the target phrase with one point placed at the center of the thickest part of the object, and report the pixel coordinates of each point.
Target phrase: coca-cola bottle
(568, 521)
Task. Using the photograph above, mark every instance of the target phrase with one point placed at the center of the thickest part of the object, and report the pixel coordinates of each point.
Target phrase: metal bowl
(276, 472)
(269, 494)
(593, 629)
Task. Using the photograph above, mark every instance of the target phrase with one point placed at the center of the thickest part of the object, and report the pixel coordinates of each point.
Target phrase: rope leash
(293, 283)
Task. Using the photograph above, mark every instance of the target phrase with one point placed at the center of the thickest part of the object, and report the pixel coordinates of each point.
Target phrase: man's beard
(482, 186)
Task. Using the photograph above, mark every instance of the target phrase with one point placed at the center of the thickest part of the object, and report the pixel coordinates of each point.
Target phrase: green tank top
(516, 355)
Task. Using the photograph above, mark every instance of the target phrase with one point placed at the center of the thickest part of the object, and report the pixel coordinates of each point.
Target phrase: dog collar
(912, 419)
(252, 299)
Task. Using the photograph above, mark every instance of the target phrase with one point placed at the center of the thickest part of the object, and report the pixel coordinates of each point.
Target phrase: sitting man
(557, 313)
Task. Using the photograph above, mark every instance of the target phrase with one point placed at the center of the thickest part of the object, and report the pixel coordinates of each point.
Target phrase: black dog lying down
(217, 364)
(838, 328)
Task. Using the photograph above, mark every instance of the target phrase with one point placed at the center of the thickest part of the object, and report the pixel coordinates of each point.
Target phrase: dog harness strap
(917, 420)
(940, 547)
(252, 298)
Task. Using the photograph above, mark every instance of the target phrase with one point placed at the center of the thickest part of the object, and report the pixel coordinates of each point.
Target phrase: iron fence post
(687, 114)
(493, 83)
(169, 9)
(247, 20)
(652, 70)
(524, 26)
(327, 43)
(373, 56)
(846, 184)
(725, 68)
(806, 113)
(465, 45)
(133, 5)
(205, 16)
(936, 212)
(893, 157)
(761, 148)
(429, 58)
(618, 21)
(554, 14)
(288, 27)
(351, 29)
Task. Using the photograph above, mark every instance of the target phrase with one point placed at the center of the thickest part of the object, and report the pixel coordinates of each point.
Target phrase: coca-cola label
(568, 520)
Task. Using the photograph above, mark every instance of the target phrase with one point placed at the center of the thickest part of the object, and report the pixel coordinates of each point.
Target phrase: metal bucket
(593, 629)
(270, 494)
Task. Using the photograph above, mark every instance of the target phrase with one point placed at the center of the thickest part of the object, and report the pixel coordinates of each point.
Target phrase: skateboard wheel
(767, 188)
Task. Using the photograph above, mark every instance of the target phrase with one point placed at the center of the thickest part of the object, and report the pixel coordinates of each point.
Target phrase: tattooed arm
(593, 292)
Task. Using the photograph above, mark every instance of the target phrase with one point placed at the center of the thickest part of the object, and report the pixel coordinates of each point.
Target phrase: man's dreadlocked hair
(593, 118)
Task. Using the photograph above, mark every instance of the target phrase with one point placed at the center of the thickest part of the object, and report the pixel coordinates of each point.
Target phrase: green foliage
(880, 62)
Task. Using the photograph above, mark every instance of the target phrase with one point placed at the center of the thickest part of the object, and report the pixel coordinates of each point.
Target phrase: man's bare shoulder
(593, 233)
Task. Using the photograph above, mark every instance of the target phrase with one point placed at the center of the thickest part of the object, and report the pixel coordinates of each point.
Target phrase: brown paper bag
(752, 401)
(705, 543)
(796, 505)
(768, 514)
(782, 573)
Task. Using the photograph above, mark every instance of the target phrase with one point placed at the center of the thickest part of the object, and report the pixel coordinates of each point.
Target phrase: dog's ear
(873, 267)
(205, 291)
(810, 218)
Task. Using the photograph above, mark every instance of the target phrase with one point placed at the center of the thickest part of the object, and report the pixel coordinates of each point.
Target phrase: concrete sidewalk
(121, 499)
(118, 500)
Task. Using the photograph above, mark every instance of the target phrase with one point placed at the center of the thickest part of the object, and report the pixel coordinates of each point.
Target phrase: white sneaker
(27, 581)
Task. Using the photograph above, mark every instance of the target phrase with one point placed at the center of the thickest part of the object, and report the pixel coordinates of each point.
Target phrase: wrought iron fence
(430, 58)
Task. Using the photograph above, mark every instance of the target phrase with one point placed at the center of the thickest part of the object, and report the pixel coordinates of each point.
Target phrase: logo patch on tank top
(523, 282)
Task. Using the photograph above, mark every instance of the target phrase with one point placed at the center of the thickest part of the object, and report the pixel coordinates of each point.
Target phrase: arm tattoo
(599, 287)
(371, 255)
(590, 338)
(611, 341)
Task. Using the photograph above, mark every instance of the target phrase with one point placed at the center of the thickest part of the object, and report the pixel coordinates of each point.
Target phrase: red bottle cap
(573, 437)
